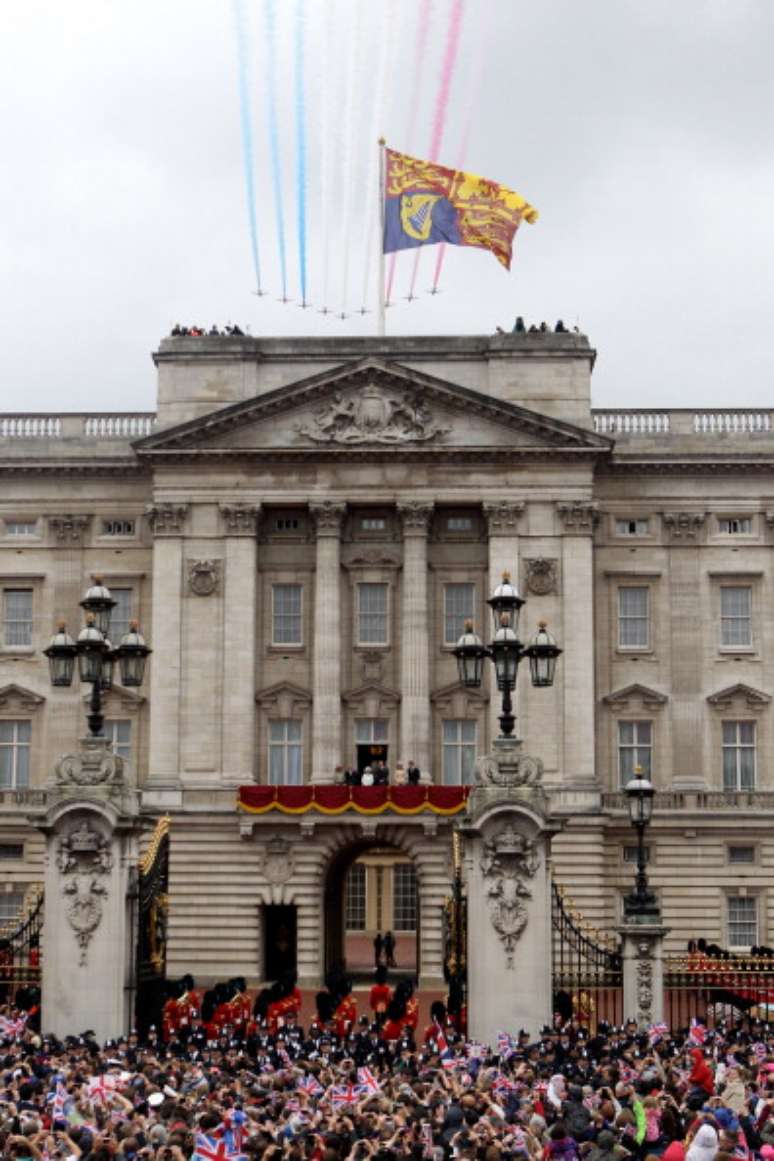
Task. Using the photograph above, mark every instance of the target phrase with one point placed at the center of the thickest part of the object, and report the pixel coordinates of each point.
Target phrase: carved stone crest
(373, 415)
(203, 577)
(540, 576)
(578, 516)
(69, 527)
(95, 764)
(240, 519)
(512, 770)
(510, 860)
(84, 860)
(278, 865)
(644, 981)
(166, 519)
(683, 525)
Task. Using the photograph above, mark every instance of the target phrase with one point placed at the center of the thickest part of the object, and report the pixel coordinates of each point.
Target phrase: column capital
(166, 519)
(69, 527)
(416, 515)
(502, 516)
(683, 525)
(578, 516)
(327, 516)
(240, 519)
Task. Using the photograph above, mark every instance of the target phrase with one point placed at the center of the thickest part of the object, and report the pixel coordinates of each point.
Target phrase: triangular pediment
(13, 694)
(635, 692)
(283, 689)
(373, 406)
(453, 689)
(755, 698)
(372, 691)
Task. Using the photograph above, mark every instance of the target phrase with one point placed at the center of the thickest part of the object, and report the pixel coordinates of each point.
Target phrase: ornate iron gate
(152, 914)
(587, 972)
(20, 956)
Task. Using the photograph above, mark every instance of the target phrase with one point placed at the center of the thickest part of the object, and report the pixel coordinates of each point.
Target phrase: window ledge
(296, 650)
(19, 650)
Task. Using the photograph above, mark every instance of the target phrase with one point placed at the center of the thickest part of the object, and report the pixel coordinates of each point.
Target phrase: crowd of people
(225, 1077)
(197, 332)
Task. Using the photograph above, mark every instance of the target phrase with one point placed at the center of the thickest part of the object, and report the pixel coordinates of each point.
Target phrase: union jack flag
(62, 1101)
(209, 1148)
(476, 1051)
(12, 1029)
(503, 1084)
(657, 1032)
(368, 1081)
(697, 1033)
(98, 1087)
(310, 1085)
(506, 1044)
(232, 1130)
(345, 1094)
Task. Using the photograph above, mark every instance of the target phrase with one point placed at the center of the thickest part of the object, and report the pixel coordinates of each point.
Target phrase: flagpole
(381, 308)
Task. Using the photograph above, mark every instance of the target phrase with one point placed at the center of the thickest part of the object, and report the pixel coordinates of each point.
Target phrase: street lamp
(641, 902)
(506, 651)
(95, 655)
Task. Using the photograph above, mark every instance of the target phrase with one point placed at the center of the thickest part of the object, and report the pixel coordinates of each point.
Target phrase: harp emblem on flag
(416, 214)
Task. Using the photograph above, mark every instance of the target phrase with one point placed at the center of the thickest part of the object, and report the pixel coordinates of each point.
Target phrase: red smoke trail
(442, 100)
(423, 31)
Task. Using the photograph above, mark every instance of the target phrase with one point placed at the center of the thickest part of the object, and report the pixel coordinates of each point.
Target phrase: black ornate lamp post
(641, 902)
(506, 651)
(95, 655)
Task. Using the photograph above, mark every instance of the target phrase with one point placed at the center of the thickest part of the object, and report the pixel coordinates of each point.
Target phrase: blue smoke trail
(270, 18)
(300, 146)
(248, 154)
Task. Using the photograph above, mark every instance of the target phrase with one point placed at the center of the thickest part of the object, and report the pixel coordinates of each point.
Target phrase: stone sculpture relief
(93, 765)
(517, 770)
(540, 576)
(644, 982)
(203, 577)
(509, 861)
(373, 415)
(278, 865)
(84, 860)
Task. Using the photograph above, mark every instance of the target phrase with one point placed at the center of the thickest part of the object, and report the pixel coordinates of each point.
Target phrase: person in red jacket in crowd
(285, 1004)
(380, 994)
(345, 1015)
(435, 1032)
(701, 1073)
(169, 1013)
(189, 1004)
(402, 1012)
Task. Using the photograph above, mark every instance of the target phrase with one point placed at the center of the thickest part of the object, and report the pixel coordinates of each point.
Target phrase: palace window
(459, 752)
(633, 617)
(458, 607)
(373, 524)
(15, 739)
(11, 852)
(20, 527)
(119, 733)
(355, 898)
(630, 854)
(370, 731)
(118, 527)
(459, 524)
(741, 855)
(122, 613)
(11, 906)
(287, 524)
(286, 614)
(742, 920)
(632, 527)
(635, 748)
(736, 616)
(404, 897)
(285, 753)
(17, 618)
(738, 756)
(372, 627)
(735, 525)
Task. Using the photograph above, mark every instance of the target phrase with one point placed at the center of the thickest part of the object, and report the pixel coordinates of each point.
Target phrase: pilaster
(166, 521)
(238, 679)
(643, 972)
(685, 630)
(415, 718)
(326, 663)
(502, 518)
(579, 519)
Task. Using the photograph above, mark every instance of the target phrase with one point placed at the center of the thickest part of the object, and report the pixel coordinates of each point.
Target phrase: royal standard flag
(426, 203)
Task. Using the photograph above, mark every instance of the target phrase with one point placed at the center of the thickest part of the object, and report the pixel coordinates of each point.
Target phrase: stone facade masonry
(328, 474)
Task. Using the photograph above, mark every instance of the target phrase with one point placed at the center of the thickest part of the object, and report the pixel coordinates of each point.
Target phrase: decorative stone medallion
(540, 576)
(84, 860)
(373, 415)
(203, 577)
(509, 861)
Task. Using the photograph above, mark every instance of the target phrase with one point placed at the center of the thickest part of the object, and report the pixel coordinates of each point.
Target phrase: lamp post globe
(506, 654)
(505, 600)
(132, 654)
(542, 653)
(91, 647)
(470, 652)
(99, 604)
(639, 797)
(61, 657)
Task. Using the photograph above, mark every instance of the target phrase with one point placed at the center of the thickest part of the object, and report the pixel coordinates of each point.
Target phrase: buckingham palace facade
(302, 529)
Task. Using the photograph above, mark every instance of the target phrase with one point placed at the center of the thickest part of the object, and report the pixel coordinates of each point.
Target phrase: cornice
(371, 452)
(126, 466)
(687, 466)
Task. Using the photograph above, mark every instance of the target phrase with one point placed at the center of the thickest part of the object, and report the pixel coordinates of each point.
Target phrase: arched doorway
(370, 888)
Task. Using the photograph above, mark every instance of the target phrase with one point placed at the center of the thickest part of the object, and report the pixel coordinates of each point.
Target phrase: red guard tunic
(379, 998)
(345, 1016)
(188, 1009)
(285, 1011)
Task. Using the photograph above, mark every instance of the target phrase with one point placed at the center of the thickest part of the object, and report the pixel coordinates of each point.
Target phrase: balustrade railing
(638, 422)
(698, 799)
(77, 425)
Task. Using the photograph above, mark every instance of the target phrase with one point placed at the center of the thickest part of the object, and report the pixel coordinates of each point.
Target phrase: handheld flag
(657, 1032)
(697, 1033)
(427, 203)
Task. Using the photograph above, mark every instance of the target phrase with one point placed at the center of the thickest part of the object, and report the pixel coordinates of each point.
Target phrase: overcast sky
(641, 130)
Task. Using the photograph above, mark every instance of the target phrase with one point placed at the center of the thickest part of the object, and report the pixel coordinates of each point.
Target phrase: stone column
(687, 704)
(166, 522)
(502, 518)
(579, 519)
(507, 831)
(326, 663)
(91, 822)
(239, 644)
(643, 971)
(415, 718)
